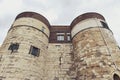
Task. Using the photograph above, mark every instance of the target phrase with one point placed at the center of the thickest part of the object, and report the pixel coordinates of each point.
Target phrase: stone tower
(96, 53)
(36, 50)
(26, 43)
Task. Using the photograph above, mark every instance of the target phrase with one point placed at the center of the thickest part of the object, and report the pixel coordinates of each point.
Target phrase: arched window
(116, 77)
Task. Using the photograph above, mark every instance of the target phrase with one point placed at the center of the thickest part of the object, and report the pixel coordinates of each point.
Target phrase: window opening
(60, 37)
(43, 29)
(13, 47)
(68, 37)
(34, 51)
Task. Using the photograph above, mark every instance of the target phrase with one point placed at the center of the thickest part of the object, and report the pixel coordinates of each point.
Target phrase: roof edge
(86, 16)
(33, 15)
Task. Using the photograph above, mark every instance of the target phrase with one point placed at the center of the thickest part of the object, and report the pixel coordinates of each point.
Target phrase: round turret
(95, 49)
(34, 20)
(30, 28)
(85, 21)
(26, 43)
(35, 16)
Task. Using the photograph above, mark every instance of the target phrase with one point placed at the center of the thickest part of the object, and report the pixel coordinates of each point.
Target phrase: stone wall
(55, 64)
(21, 65)
(85, 24)
(96, 54)
(58, 61)
(92, 55)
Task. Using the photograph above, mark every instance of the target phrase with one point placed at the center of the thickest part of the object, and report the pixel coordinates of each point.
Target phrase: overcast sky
(60, 12)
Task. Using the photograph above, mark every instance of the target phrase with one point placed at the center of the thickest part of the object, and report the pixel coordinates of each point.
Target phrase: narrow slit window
(13, 47)
(43, 29)
(34, 51)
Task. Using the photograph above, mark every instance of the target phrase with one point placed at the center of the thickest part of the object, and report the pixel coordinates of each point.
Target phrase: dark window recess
(34, 51)
(104, 24)
(60, 59)
(13, 47)
(116, 77)
(43, 28)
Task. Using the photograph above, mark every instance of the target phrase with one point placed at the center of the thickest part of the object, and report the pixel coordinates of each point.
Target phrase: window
(60, 37)
(104, 24)
(43, 28)
(34, 51)
(68, 37)
(60, 60)
(116, 77)
(13, 47)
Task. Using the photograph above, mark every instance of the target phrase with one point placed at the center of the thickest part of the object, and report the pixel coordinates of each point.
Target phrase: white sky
(60, 12)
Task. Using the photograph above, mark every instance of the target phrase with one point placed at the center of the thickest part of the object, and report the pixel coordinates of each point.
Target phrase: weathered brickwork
(85, 50)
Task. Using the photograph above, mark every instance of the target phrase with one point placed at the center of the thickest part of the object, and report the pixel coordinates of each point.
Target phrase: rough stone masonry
(35, 50)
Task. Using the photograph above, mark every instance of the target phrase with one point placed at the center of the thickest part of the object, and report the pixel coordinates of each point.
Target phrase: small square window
(34, 51)
(13, 47)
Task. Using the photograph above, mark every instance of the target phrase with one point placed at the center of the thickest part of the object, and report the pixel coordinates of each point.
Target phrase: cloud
(8, 6)
(60, 11)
